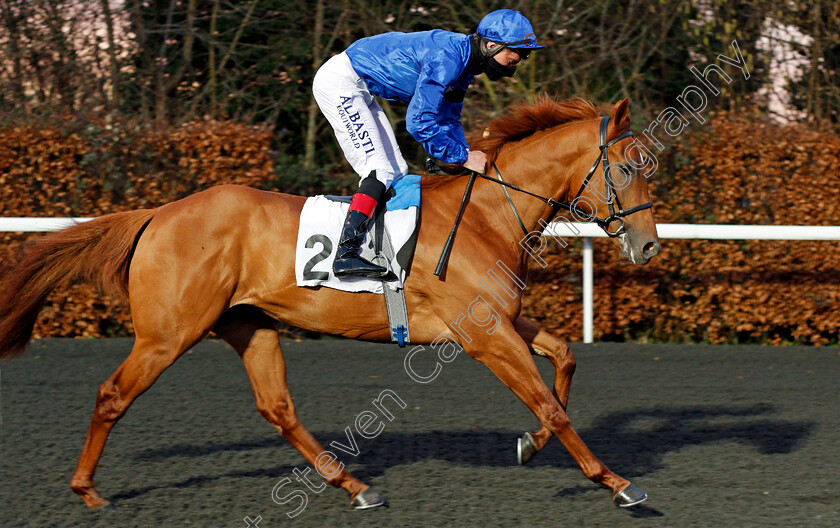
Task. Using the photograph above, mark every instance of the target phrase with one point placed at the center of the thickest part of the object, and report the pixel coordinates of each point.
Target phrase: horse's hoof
(368, 499)
(104, 507)
(630, 496)
(525, 448)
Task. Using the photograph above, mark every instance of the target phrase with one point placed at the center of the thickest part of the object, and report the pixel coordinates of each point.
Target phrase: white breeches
(359, 123)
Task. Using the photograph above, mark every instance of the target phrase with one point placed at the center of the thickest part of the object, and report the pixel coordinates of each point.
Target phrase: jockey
(430, 70)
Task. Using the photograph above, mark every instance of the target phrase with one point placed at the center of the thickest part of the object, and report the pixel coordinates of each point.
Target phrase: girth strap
(394, 300)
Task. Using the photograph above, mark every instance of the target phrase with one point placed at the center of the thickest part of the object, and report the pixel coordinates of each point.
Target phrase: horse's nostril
(651, 249)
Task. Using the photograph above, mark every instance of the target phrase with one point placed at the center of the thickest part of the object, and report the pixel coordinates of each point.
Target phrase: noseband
(612, 198)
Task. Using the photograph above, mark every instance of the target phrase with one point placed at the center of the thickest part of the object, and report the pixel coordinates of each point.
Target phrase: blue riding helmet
(510, 28)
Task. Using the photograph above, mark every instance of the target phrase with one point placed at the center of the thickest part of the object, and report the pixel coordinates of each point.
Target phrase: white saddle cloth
(321, 221)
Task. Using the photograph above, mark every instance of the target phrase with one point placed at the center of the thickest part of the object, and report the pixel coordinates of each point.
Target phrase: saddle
(390, 242)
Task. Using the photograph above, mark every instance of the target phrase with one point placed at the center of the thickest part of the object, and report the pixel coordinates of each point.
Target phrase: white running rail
(37, 225)
(681, 231)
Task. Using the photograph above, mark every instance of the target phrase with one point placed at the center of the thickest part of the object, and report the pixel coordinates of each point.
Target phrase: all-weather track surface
(717, 436)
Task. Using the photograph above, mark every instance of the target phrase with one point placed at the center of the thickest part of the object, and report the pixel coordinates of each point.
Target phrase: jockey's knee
(386, 176)
(373, 185)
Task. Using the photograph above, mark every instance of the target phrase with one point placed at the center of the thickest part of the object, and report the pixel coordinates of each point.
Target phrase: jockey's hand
(476, 161)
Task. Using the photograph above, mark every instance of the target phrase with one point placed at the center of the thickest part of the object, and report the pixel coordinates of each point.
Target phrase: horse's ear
(622, 111)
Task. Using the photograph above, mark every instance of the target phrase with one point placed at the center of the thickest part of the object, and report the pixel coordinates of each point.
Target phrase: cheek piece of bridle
(613, 201)
(617, 212)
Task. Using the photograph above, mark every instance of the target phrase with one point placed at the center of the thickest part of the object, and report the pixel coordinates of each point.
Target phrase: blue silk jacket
(430, 70)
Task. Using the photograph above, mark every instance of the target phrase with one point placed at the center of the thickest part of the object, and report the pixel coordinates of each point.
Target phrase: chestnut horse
(222, 260)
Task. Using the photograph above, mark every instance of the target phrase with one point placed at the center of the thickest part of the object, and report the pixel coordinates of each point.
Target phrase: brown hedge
(75, 169)
(735, 169)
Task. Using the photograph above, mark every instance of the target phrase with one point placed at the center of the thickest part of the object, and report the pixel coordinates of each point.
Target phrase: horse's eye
(629, 170)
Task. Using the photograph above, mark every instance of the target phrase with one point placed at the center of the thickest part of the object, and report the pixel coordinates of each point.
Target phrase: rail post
(587, 290)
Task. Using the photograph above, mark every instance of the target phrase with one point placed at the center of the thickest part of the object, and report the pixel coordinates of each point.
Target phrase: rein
(612, 197)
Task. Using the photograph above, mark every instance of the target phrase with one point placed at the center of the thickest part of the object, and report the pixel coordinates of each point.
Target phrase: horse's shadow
(633, 443)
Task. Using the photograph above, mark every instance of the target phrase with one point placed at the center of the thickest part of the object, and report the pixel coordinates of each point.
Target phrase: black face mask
(482, 62)
(496, 71)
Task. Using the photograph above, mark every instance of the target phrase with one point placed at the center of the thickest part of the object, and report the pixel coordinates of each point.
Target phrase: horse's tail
(97, 251)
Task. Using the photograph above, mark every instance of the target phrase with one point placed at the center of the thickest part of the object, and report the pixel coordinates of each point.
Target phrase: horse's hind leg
(147, 361)
(253, 335)
(165, 327)
(542, 343)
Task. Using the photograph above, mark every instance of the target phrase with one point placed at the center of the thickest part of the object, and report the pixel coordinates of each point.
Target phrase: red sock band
(364, 203)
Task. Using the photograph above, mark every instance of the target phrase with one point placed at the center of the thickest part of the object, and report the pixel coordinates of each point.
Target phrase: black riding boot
(348, 260)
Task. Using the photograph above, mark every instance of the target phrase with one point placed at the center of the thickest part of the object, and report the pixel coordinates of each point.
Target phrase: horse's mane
(523, 120)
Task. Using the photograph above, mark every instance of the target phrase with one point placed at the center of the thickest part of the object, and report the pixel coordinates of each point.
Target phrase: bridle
(613, 201)
(612, 197)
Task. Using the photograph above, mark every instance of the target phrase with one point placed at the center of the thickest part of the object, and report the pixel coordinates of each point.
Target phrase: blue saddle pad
(404, 193)
(407, 193)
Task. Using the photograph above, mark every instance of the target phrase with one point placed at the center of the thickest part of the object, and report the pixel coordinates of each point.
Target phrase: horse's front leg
(542, 343)
(508, 356)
